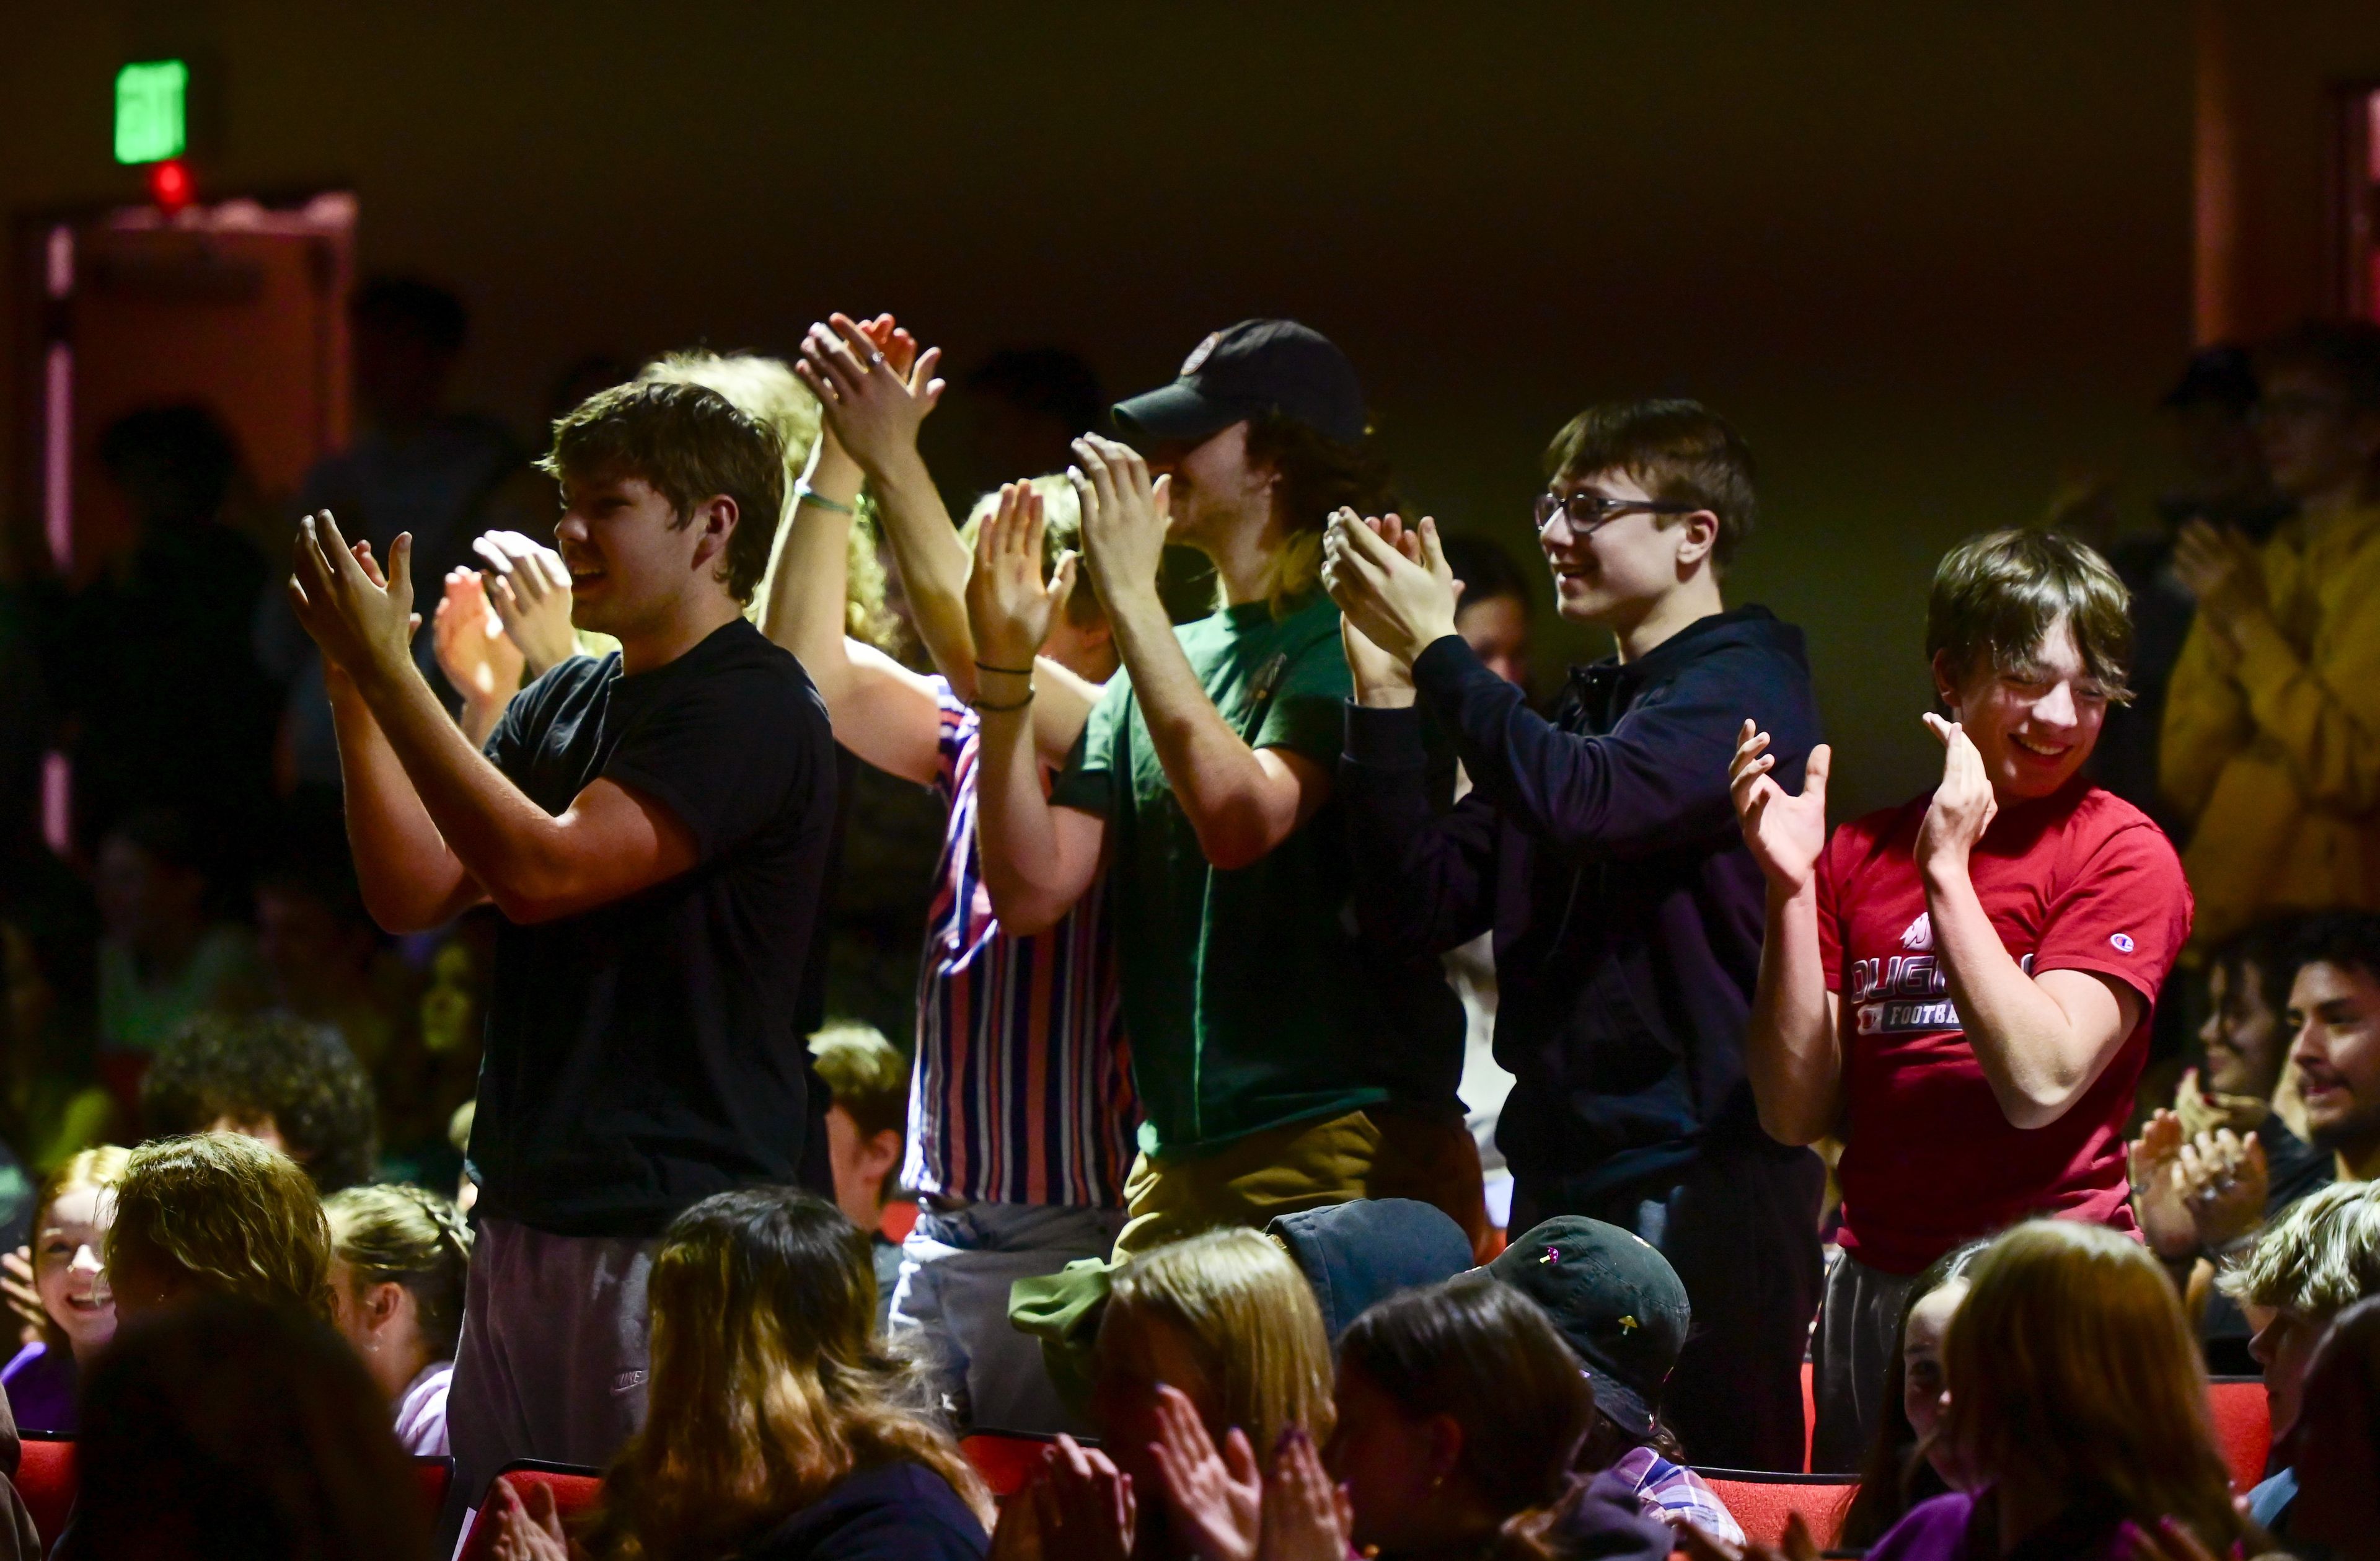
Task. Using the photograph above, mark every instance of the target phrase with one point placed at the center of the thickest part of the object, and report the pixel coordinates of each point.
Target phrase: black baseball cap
(1618, 1302)
(1252, 370)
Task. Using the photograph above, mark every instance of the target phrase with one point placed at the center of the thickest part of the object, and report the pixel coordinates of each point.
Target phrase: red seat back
(2244, 1427)
(1762, 1502)
(1005, 1461)
(575, 1491)
(434, 1475)
(45, 1477)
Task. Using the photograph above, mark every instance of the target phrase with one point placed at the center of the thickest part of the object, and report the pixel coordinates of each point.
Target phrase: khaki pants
(1385, 1151)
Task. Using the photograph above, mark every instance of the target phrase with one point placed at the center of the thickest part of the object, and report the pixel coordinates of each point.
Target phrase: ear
(884, 1152)
(1945, 682)
(1445, 1446)
(1697, 537)
(713, 522)
(382, 1302)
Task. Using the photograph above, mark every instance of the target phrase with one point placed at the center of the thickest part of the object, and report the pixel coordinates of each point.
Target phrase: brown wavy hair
(769, 1384)
(2073, 1367)
(233, 1216)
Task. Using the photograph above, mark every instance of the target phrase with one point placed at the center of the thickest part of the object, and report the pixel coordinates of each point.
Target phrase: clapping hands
(362, 620)
(1010, 608)
(1392, 584)
(1786, 833)
(528, 586)
(874, 387)
(1963, 806)
(1124, 516)
(474, 651)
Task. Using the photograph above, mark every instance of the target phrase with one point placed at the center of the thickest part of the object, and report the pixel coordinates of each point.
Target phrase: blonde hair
(770, 1383)
(409, 1235)
(2319, 1258)
(765, 389)
(1251, 1323)
(234, 1217)
(88, 1170)
(1061, 530)
(2073, 1367)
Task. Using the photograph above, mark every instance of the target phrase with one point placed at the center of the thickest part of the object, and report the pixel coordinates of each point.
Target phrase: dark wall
(1931, 259)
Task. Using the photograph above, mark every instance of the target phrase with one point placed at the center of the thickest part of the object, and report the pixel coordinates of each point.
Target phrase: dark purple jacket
(1601, 846)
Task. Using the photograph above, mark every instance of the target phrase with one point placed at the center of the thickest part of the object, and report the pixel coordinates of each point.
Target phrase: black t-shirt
(648, 1053)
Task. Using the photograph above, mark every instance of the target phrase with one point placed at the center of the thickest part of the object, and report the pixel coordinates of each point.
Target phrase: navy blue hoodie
(1601, 846)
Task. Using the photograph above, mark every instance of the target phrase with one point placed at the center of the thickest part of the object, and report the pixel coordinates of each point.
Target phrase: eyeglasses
(1587, 511)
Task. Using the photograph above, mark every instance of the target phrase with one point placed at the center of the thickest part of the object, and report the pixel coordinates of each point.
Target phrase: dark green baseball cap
(1617, 1301)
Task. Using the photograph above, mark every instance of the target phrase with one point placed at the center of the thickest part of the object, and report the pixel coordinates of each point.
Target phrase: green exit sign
(151, 125)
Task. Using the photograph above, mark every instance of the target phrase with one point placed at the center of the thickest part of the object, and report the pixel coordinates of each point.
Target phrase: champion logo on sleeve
(2123, 941)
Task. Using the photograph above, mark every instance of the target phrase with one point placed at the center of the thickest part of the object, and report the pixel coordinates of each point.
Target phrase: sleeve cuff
(1445, 664)
(1385, 739)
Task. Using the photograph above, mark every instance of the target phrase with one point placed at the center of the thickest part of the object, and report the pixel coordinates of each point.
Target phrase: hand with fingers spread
(23, 1295)
(1395, 584)
(1214, 1498)
(1010, 608)
(363, 621)
(528, 585)
(1963, 806)
(532, 1529)
(2220, 567)
(2158, 1195)
(2225, 1183)
(1124, 515)
(1305, 1515)
(474, 652)
(1786, 833)
(1085, 1509)
(874, 387)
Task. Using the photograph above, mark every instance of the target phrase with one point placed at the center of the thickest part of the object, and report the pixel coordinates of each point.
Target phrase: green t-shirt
(1248, 999)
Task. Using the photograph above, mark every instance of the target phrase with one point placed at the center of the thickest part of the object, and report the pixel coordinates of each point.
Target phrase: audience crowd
(1344, 1103)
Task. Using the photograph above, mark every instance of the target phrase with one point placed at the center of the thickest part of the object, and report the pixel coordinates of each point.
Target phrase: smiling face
(2035, 722)
(2335, 1012)
(632, 561)
(68, 1269)
(1614, 574)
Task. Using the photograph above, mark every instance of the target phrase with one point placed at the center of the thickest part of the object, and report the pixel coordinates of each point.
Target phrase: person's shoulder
(2101, 822)
(757, 668)
(1933, 1529)
(897, 1509)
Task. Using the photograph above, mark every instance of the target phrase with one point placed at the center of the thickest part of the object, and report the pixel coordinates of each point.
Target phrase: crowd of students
(1348, 1106)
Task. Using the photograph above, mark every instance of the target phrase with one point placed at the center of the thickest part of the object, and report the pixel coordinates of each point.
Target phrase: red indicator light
(169, 185)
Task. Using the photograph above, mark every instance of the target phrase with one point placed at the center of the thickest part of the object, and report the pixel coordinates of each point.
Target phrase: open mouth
(91, 1303)
(2050, 752)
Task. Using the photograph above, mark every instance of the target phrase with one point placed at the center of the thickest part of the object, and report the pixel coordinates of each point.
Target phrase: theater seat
(434, 1474)
(45, 1477)
(1006, 1459)
(575, 1491)
(1762, 1502)
(2244, 1427)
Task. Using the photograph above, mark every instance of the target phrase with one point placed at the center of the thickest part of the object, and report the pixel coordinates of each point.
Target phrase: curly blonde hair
(770, 1383)
(765, 389)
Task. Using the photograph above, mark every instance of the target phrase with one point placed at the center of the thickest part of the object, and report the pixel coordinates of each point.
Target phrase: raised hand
(874, 387)
(2222, 569)
(364, 622)
(2157, 1192)
(1785, 832)
(23, 1296)
(1963, 806)
(1304, 1516)
(473, 650)
(1009, 607)
(1395, 584)
(1085, 1509)
(528, 585)
(2225, 1183)
(1214, 1497)
(1124, 516)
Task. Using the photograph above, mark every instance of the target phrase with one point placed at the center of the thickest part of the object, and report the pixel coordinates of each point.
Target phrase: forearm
(1236, 807)
(1792, 1046)
(514, 850)
(479, 717)
(933, 564)
(1016, 830)
(2023, 1040)
(409, 878)
(2325, 718)
(810, 577)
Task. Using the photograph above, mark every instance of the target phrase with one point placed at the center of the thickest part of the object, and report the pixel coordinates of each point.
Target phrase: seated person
(2335, 1453)
(400, 1257)
(216, 1213)
(71, 1217)
(286, 1083)
(1220, 1330)
(226, 1427)
(1908, 1463)
(1366, 1249)
(2077, 1412)
(866, 1130)
(1625, 1312)
(2213, 1171)
(778, 1427)
(2310, 1264)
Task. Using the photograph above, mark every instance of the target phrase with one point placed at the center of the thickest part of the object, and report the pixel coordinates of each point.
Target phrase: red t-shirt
(2081, 880)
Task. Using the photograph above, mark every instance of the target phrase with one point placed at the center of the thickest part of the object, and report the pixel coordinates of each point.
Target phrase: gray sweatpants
(555, 1350)
(1851, 1352)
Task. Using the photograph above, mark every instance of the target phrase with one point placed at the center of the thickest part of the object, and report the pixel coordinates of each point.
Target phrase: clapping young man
(1280, 1065)
(653, 826)
(1600, 847)
(1959, 987)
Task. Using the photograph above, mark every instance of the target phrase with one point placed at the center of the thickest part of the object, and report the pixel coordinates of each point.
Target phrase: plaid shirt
(1676, 1494)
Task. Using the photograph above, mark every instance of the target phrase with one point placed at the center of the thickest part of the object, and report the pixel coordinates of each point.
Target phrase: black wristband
(1012, 671)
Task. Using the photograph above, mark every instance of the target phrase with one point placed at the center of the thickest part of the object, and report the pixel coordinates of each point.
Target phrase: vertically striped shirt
(1022, 1091)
